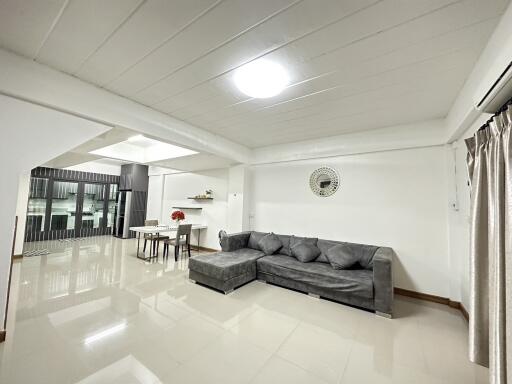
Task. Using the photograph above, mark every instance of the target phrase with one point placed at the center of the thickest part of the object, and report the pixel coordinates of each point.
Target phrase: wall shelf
(187, 207)
(200, 198)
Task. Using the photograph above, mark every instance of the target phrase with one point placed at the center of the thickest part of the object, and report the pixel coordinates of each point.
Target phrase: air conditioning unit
(499, 93)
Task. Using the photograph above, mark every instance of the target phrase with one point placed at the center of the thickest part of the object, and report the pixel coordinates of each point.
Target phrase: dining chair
(182, 239)
(151, 237)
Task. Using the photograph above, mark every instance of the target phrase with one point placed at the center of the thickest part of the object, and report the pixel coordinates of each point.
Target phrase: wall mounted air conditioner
(499, 93)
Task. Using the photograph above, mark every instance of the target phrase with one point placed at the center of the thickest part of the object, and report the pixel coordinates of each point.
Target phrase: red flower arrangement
(178, 216)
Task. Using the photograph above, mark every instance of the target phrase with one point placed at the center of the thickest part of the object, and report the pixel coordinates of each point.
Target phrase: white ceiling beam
(37, 83)
(416, 135)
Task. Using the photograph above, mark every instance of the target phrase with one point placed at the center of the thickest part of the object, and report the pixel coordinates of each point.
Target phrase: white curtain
(490, 323)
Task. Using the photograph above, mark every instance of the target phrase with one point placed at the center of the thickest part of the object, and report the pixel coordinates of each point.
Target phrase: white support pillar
(238, 198)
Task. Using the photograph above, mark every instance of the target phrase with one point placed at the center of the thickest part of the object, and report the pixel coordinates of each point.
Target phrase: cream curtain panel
(490, 171)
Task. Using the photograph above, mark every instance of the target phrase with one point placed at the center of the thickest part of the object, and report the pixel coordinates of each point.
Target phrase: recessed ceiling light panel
(141, 149)
(261, 78)
(136, 138)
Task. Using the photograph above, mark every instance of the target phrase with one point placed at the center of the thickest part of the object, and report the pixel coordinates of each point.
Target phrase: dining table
(156, 231)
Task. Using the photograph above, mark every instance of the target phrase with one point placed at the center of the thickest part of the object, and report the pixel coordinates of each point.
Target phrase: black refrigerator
(123, 206)
(132, 199)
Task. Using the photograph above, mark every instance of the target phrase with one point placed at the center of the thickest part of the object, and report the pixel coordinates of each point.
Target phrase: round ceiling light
(261, 78)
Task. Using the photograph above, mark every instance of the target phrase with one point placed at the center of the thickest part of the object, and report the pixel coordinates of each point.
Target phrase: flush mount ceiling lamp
(261, 79)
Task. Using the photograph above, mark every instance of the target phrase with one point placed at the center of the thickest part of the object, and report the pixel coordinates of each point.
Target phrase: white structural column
(155, 198)
(32, 136)
(238, 199)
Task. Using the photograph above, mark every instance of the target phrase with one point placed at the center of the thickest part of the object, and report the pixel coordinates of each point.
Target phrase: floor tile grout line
(342, 375)
(276, 353)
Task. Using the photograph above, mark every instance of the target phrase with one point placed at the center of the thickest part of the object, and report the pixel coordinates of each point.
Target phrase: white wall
(394, 198)
(169, 190)
(29, 139)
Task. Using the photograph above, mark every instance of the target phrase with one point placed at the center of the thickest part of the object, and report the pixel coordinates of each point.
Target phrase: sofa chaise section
(229, 269)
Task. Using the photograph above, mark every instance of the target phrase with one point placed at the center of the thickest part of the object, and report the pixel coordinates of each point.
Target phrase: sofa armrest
(234, 241)
(383, 280)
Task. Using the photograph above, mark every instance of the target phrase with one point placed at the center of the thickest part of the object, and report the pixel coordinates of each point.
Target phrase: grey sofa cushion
(294, 240)
(305, 252)
(355, 281)
(364, 252)
(285, 241)
(341, 256)
(270, 244)
(324, 246)
(254, 239)
(226, 265)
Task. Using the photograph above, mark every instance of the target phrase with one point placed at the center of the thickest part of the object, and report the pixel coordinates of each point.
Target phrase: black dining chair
(182, 239)
(151, 237)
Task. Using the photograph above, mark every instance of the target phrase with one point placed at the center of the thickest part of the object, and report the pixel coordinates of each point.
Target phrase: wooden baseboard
(2, 336)
(464, 312)
(434, 299)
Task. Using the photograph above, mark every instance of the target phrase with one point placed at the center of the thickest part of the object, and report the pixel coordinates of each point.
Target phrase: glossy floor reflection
(92, 313)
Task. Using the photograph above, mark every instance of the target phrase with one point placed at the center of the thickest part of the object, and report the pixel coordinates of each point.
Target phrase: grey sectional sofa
(367, 284)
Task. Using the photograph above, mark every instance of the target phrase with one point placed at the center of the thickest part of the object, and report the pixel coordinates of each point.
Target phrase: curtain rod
(498, 112)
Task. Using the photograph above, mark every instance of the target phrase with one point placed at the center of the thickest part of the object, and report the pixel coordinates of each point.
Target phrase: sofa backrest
(285, 249)
(365, 252)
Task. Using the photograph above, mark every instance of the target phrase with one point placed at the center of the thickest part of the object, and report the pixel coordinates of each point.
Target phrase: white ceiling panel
(217, 27)
(348, 102)
(81, 29)
(354, 64)
(156, 22)
(298, 21)
(427, 56)
(24, 24)
(330, 88)
(447, 19)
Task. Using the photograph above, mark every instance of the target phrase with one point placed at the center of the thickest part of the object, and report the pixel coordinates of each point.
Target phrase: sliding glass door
(36, 208)
(111, 206)
(64, 206)
(93, 206)
(59, 209)
(78, 209)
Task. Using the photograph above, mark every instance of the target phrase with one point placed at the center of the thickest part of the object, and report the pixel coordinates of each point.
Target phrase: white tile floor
(92, 313)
